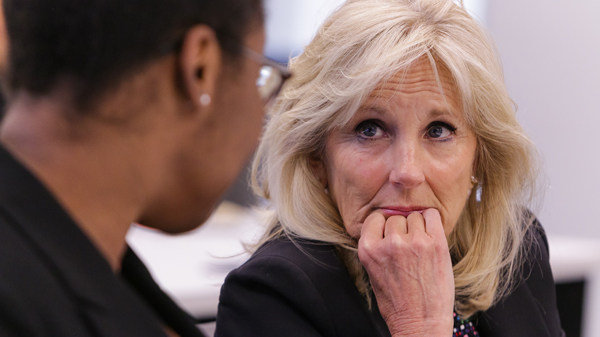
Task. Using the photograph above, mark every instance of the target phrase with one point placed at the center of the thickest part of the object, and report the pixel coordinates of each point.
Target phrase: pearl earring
(205, 100)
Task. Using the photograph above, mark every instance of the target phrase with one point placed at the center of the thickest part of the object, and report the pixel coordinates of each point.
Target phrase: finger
(415, 223)
(433, 223)
(395, 225)
(372, 228)
(370, 234)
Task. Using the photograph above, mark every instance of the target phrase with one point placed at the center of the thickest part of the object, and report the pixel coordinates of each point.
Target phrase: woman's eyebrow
(432, 114)
(435, 113)
(373, 108)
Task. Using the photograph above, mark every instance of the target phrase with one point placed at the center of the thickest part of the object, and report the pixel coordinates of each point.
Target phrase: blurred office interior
(549, 51)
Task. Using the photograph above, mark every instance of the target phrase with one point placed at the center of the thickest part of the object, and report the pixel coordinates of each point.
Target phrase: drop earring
(205, 100)
(479, 188)
(474, 183)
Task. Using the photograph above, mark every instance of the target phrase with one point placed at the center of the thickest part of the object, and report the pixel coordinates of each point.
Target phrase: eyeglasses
(272, 75)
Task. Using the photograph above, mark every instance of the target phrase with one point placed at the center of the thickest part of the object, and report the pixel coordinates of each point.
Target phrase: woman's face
(214, 148)
(406, 150)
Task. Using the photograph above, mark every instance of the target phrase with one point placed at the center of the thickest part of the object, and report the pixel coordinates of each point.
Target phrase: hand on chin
(409, 266)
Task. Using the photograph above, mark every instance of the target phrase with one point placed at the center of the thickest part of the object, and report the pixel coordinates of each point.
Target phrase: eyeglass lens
(268, 82)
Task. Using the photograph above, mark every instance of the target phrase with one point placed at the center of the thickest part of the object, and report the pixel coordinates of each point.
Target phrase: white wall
(291, 24)
(551, 55)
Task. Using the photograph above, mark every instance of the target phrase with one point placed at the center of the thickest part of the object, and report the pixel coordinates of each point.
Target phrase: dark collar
(32, 211)
(39, 217)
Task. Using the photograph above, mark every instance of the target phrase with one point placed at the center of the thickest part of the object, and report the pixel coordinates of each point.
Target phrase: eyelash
(363, 124)
(377, 124)
(450, 128)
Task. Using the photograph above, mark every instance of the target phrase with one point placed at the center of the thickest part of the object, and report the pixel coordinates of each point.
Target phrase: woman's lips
(403, 211)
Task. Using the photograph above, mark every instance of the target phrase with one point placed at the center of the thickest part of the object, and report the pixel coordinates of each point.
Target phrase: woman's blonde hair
(360, 45)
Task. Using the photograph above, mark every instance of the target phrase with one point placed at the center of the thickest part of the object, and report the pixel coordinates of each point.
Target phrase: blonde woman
(399, 180)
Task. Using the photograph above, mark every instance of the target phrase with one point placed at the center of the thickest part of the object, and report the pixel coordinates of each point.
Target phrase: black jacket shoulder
(53, 280)
(530, 308)
(302, 289)
(293, 289)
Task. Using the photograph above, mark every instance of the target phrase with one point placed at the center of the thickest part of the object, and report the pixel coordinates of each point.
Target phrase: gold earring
(474, 180)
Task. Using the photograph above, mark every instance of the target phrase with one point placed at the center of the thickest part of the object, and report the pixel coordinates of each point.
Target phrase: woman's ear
(200, 65)
(319, 170)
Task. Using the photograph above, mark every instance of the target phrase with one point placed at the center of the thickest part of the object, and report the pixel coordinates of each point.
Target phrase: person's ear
(319, 170)
(200, 65)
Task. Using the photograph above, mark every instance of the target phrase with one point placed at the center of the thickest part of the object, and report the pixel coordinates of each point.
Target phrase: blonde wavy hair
(360, 45)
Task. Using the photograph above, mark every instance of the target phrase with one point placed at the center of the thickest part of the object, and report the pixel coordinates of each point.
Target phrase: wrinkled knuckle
(365, 251)
(420, 243)
(364, 246)
(364, 257)
(395, 244)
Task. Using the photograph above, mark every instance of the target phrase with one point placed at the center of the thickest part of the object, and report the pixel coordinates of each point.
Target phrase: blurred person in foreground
(399, 180)
(118, 112)
(3, 57)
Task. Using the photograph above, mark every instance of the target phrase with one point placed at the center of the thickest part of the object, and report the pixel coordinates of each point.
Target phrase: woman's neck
(92, 172)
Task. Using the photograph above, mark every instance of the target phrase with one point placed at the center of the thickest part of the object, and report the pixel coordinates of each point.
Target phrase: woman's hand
(409, 267)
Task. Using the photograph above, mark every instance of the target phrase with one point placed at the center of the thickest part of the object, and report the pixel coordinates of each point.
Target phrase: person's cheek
(346, 184)
(368, 174)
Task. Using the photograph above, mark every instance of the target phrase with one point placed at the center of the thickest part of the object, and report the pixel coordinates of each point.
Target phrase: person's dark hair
(96, 43)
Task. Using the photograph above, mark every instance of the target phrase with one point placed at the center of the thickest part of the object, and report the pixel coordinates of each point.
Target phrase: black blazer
(54, 282)
(302, 289)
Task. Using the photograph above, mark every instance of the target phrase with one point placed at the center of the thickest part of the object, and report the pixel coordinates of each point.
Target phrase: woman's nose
(407, 171)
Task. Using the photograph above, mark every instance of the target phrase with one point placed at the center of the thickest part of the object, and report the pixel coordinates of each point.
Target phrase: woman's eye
(440, 131)
(369, 129)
